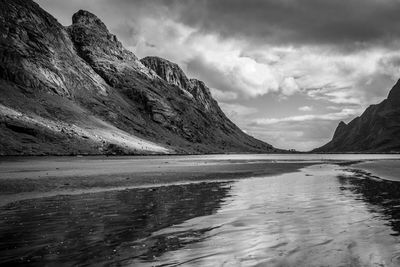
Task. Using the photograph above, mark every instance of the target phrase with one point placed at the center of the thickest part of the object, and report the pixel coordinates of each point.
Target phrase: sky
(285, 71)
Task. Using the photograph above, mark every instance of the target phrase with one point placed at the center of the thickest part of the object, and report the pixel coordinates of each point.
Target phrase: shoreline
(39, 178)
(88, 155)
(26, 178)
(383, 169)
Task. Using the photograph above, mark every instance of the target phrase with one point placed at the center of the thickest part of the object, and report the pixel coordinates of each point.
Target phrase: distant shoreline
(384, 169)
(31, 178)
(194, 154)
(10, 157)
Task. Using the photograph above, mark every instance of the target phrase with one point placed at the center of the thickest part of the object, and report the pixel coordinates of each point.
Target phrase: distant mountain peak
(102, 49)
(376, 130)
(394, 94)
(340, 129)
(88, 19)
(91, 36)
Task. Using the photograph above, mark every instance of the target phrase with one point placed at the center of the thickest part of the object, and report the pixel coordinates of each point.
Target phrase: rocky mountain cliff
(193, 88)
(376, 130)
(77, 90)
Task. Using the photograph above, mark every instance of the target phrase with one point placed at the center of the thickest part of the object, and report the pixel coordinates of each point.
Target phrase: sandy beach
(32, 177)
(25, 178)
(384, 169)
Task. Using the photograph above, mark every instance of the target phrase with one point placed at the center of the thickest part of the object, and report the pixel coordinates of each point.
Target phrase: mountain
(376, 130)
(77, 90)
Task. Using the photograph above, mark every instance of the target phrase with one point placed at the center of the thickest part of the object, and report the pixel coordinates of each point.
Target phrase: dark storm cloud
(319, 21)
(346, 22)
(203, 71)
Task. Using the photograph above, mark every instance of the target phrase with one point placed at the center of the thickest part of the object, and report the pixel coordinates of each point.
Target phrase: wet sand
(321, 215)
(38, 177)
(299, 210)
(384, 169)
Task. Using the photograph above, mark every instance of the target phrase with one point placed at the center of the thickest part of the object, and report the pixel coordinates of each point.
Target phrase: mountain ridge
(377, 129)
(77, 90)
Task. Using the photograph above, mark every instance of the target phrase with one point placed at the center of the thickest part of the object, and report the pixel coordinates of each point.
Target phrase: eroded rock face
(37, 52)
(102, 50)
(168, 71)
(203, 96)
(376, 130)
(174, 75)
(77, 90)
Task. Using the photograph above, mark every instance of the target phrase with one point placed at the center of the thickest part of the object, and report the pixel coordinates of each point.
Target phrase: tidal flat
(217, 210)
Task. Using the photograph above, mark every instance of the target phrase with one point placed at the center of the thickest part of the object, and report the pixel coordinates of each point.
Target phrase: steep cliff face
(201, 93)
(78, 90)
(102, 50)
(376, 130)
(193, 88)
(168, 71)
(199, 98)
(36, 52)
(51, 100)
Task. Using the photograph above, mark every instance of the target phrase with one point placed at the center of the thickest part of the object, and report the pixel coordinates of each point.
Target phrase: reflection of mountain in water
(100, 227)
(383, 195)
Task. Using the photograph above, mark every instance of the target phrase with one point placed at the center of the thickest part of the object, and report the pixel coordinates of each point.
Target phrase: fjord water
(321, 215)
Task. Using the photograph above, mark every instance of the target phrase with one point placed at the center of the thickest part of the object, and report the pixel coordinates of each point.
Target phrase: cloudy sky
(286, 71)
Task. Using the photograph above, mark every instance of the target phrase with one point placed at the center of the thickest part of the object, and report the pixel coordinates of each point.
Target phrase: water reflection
(101, 227)
(320, 216)
(300, 219)
(382, 195)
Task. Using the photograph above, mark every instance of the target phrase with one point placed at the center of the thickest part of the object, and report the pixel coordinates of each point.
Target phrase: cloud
(305, 108)
(236, 111)
(223, 95)
(289, 86)
(222, 63)
(350, 24)
(342, 115)
(303, 132)
(299, 135)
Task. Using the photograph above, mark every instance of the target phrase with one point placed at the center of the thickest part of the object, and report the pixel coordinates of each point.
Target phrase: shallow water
(320, 216)
(290, 157)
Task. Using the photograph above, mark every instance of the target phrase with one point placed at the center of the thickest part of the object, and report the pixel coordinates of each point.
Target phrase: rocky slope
(77, 90)
(376, 130)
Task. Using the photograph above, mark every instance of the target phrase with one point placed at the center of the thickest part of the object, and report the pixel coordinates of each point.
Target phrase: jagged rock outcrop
(102, 50)
(36, 52)
(76, 90)
(201, 93)
(168, 71)
(193, 88)
(376, 130)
